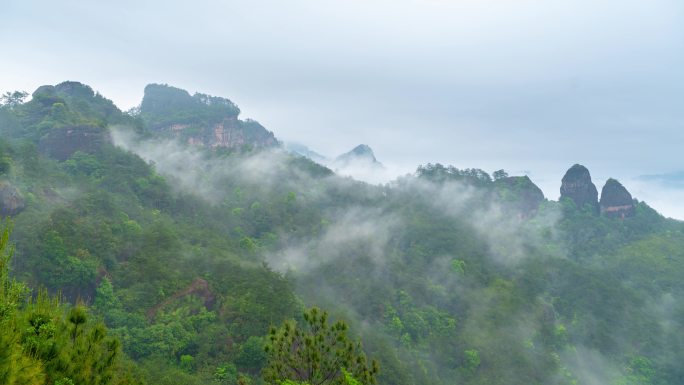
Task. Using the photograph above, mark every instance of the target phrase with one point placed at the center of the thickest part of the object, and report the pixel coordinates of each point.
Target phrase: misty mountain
(300, 149)
(359, 155)
(360, 163)
(177, 249)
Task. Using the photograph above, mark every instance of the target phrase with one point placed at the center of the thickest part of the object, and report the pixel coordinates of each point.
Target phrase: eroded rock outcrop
(62, 142)
(11, 201)
(577, 186)
(198, 287)
(616, 201)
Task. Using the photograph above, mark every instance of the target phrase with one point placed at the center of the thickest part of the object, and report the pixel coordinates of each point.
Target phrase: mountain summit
(616, 201)
(361, 154)
(201, 119)
(577, 186)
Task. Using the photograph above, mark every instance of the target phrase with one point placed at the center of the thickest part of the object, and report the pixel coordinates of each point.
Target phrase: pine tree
(17, 367)
(45, 342)
(316, 353)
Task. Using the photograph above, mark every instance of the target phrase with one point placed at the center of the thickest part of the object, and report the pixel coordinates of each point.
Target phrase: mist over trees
(158, 255)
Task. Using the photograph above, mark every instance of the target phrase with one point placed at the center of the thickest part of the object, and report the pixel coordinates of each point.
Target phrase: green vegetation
(191, 256)
(43, 341)
(316, 353)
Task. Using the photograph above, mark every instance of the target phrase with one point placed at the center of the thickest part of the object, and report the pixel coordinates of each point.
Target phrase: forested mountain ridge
(189, 252)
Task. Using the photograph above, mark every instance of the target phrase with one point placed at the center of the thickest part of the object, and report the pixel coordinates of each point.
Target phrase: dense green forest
(177, 244)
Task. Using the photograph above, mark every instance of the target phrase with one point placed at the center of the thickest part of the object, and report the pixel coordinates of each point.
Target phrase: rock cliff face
(616, 201)
(577, 186)
(201, 119)
(11, 202)
(62, 142)
(236, 133)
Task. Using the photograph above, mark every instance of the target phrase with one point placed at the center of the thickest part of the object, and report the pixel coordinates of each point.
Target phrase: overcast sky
(531, 86)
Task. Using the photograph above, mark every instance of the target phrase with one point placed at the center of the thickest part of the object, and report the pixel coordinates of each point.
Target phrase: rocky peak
(201, 119)
(74, 89)
(616, 201)
(359, 163)
(68, 89)
(362, 152)
(69, 117)
(577, 186)
(11, 201)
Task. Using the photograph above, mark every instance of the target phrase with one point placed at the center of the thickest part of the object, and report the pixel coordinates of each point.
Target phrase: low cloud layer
(357, 226)
(193, 171)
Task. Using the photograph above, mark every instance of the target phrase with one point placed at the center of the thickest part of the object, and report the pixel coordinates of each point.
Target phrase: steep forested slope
(189, 249)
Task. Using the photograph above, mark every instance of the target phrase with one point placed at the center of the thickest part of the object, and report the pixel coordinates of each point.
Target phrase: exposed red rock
(616, 201)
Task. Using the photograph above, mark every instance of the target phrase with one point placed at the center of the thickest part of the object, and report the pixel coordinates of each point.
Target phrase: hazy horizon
(531, 87)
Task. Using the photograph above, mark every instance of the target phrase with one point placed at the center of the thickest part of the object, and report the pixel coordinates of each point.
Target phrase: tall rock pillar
(577, 186)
